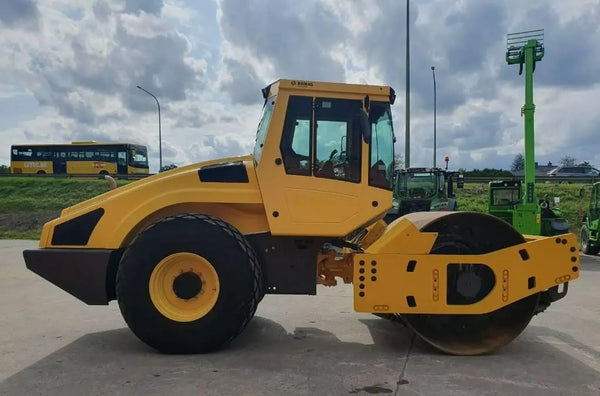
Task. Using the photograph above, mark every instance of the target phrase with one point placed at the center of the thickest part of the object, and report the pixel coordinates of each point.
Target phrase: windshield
(263, 127)
(506, 196)
(382, 146)
(138, 157)
(417, 185)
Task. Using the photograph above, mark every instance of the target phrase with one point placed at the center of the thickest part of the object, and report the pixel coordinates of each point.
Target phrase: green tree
(398, 162)
(567, 160)
(4, 169)
(518, 163)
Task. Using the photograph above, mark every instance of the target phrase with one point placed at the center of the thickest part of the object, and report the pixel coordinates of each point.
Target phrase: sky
(69, 71)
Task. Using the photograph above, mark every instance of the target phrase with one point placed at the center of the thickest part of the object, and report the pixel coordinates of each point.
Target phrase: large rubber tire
(230, 258)
(586, 247)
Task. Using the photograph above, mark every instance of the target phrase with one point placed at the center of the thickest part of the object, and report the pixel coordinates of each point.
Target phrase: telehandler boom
(190, 252)
(522, 209)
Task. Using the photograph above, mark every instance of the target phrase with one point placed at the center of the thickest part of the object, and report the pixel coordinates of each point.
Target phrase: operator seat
(377, 175)
(327, 170)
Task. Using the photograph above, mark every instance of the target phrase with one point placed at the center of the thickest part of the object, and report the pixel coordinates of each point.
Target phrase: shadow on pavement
(593, 266)
(264, 359)
(542, 361)
(267, 360)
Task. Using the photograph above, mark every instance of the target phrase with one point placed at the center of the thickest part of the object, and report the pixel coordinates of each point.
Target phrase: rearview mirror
(365, 126)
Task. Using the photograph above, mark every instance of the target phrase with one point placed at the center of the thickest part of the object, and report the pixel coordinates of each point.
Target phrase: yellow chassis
(397, 275)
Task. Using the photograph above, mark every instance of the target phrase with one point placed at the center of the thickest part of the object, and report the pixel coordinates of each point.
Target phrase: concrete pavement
(52, 344)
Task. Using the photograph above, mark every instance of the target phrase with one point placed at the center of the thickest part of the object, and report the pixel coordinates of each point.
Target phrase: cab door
(314, 169)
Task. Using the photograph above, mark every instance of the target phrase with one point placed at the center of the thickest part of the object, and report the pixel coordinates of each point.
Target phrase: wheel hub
(184, 287)
(187, 285)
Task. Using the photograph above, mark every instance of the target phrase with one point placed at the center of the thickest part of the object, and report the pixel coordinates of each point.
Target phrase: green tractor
(423, 190)
(590, 243)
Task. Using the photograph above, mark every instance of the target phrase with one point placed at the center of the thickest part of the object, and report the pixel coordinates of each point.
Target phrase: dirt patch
(32, 220)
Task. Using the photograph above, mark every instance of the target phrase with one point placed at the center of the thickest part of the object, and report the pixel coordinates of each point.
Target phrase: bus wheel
(41, 172)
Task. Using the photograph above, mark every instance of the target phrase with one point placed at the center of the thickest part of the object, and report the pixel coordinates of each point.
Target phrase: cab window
(382, 146)
(263, 126)
(338, 139)
(295, 141)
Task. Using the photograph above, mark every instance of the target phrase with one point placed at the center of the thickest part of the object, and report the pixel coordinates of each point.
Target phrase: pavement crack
(401, 379)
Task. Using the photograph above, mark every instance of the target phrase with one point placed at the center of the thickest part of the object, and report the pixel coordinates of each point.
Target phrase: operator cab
(332, 143)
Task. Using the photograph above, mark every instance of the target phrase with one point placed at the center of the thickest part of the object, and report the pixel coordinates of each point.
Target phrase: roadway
(52, 344)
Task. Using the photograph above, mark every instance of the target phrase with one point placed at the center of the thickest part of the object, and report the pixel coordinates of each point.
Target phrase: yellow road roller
(189, 253)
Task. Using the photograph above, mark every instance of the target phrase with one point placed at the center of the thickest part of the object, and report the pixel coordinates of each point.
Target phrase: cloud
(207, 61)
(19, 13)
(147, 6)
(286, 39)
(101, 61)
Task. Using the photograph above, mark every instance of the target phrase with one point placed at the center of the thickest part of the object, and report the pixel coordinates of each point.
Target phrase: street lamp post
(407, 93)
(159, 132)
(434, 116)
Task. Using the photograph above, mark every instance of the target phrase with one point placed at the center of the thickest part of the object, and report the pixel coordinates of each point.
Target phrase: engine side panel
(128, 209)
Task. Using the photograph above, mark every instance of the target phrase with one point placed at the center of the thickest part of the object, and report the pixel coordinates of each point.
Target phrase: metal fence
(538, 179)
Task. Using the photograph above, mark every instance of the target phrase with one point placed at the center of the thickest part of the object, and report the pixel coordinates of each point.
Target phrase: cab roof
(308, 87)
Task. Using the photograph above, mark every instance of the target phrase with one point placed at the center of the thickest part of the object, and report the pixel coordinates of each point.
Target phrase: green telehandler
(508, 200)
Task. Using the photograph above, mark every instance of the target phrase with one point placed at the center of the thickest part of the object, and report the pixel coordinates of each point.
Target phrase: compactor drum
(189, 253)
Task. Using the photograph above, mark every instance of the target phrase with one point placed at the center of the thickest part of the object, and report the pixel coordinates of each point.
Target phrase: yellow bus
(79, 158)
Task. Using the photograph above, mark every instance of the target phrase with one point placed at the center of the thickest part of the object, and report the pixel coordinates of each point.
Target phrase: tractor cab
(506, 203)
(423, 190)
(504, 195)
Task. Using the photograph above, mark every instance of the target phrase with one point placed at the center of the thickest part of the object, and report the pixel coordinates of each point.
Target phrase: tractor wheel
(586, 247)
(188, 284)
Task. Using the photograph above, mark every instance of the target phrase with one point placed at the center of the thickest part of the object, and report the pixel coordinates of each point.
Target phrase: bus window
(138, 158)
(122, 158)
(22, 154)
(43, 155)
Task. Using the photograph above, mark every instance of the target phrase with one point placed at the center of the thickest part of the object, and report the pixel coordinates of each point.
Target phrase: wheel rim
(184, 287)
(584, 239)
